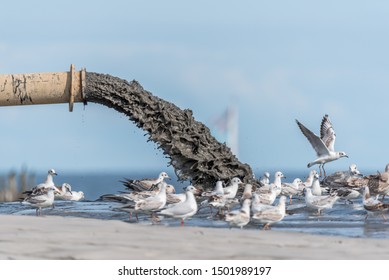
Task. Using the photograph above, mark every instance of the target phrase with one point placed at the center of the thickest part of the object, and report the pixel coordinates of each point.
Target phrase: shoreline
(61, 238)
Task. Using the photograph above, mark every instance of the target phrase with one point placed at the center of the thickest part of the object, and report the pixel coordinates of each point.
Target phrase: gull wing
(372, 204)
(176, 198)
(317, 143)
(179, 209)
(148, 205)
(289, 189)
(139, 185)
(270, 214)
(321, 201)
(342, 192)
(35, 200)
(327, 133)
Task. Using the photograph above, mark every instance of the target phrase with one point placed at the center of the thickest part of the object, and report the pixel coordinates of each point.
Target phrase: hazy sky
(275, 60)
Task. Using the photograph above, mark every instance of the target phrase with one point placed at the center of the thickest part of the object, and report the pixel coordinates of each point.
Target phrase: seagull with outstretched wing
(323, 145)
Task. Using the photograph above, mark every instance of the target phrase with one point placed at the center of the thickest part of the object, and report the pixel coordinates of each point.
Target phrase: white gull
(342, 178)
(231, 190)
(319, 202)
(277, 183)
(292, 189)
(184, 209)
(42, 199)
(145, 184)
(373, 205)
(173, 198)
(267, 196)
(265, 180)
(247, 192)
(271, 214)
(316, 189)
(323, 145)
(308, 182)
(258, 204)
(48, 183)
(239, 217)
(218, 190)
(66, 193)
(150, 204)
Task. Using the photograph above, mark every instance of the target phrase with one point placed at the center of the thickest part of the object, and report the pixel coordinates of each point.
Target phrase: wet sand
(53, 237)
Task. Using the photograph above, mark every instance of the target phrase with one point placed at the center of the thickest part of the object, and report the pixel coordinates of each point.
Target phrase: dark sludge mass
(193, 152)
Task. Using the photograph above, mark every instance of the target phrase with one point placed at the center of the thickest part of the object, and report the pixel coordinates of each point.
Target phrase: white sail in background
(226, 129)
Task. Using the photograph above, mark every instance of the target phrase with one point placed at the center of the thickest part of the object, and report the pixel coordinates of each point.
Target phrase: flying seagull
(323, 145)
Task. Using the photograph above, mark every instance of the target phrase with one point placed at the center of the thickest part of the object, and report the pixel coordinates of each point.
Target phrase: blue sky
(275, 61)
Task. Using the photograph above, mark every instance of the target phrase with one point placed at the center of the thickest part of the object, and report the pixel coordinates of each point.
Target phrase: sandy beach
(58, 238)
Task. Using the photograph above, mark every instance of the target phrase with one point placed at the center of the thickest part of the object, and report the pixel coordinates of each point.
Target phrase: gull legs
(383, 216)
(266, 227)
(321, 166)
(136, 215)
(38, 211)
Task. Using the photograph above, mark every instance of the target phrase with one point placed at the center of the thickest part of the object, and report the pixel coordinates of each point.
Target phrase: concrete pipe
(43, 88)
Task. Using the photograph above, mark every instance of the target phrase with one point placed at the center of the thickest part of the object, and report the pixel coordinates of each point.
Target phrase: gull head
(216, 201)
(236, 180)
(52, 172)
(266, 175)
(279, 175)
(342, 154)
(192, 189)
(354, 170)
(170, 189)
(54, 189)
(297, 182)
(312, 173)
(163, 175)
(67, 187)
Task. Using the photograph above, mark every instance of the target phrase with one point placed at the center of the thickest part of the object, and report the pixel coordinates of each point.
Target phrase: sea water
(342, 220)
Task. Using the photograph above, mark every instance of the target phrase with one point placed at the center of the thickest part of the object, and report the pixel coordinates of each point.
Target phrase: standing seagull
(323, 145)
(184, 209)
(41, 199)
(145, 184)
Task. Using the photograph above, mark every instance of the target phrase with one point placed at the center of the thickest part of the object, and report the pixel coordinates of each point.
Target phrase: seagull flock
(44, 194)
(236, 202)
(239, 203)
